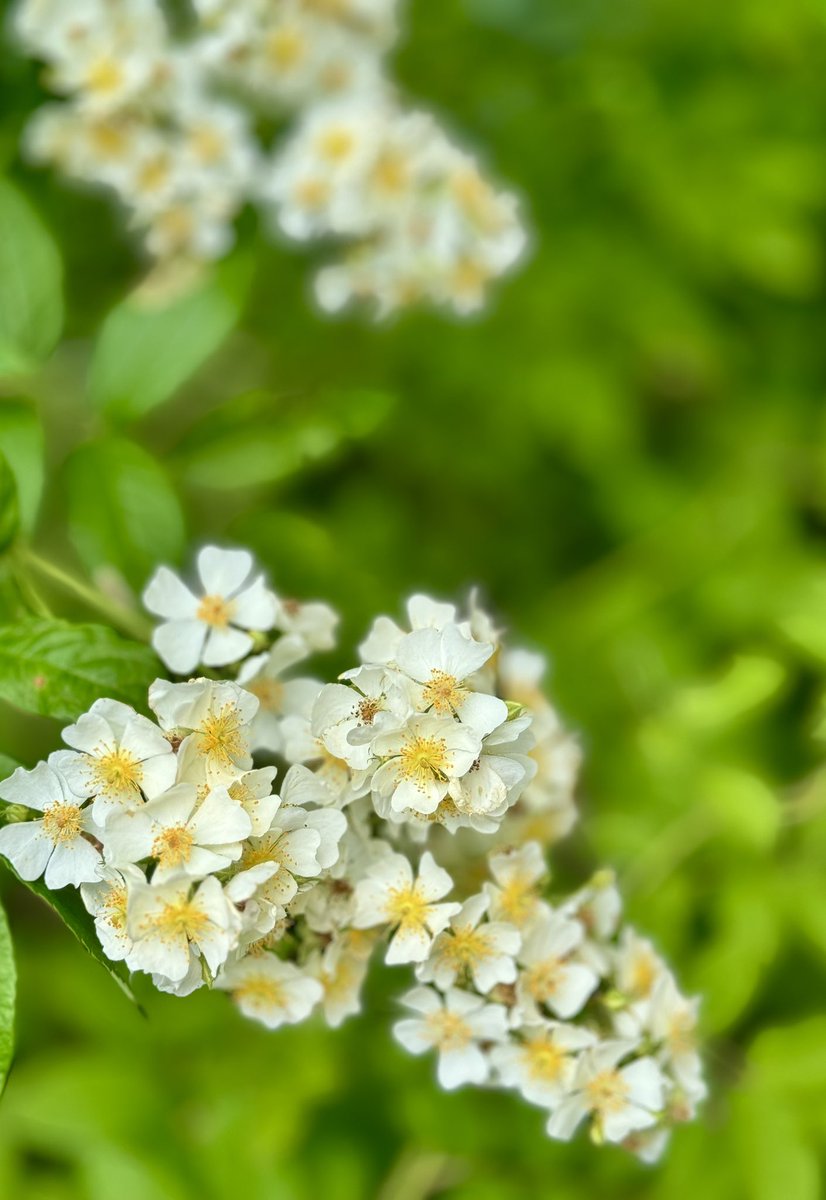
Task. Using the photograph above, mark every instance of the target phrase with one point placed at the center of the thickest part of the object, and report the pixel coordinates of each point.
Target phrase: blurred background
(627, 451)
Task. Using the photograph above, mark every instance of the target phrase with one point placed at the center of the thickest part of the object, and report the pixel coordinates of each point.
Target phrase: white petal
(74, 863)
(220, 819)
(224, 646)
(462, 656)
(255, 607)
(179, 644)
(563, 1123)
(410, 943)
(223, 572)
(38, 788)
(482, 713)
(27, 848)
(414, 1035)
(434, 882)
(576, 983)
(456, 1067)
(167, 596)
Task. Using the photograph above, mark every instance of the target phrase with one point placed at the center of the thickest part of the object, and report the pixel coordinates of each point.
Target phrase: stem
(416, 1176)
(128, 620)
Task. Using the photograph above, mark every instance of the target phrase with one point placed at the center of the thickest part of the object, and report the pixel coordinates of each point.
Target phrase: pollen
(260, 992)
(336, 144)
(423, 759)
(105, 76)
(406, 907)
(181, 918)
(642, 973)
(220, 735)
(543, 980)
(391, 173)
(517, 899)
(113, 908)
(208, 144)
(443, 693)
(115, 772)
(286, 48)
(173, 847)
(215, 611)
(606, 1092)
(153, 174)
(466, 947)
(544, 1059)
(449, 1030)
(62, 823)
(270, 692)
(368, 709)
(312, 193)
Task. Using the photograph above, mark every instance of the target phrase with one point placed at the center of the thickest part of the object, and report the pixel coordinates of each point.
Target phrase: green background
(627, 452)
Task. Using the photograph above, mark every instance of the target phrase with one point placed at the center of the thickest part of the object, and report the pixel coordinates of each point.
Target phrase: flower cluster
(169, 124)
(438, 749)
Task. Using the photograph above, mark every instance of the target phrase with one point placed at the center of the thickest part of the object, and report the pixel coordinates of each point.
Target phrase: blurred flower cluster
(437, 751)
(172, 124)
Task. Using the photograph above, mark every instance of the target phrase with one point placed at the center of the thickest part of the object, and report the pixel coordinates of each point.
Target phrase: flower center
(544, 1059)
(543, 979)
(406, 907)
(266, 852)
(449, 1030)
(336, 144)
(104, 76)
(215, 611)
(423, 759)
(259, 991)
(113, 908)
(270, 692)
(220, 735)
(606, 1092)
(173, 847)
(368, 710)
(466, 946)
(115, 772)
(443, 693)
(208, 144)
(517, 900)
(61, 823)
(181, 917)
(285, 48)
(642, 973)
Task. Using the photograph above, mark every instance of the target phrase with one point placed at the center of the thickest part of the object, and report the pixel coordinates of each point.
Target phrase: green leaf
(58, 670)
(255, 440)
(68, 905)
(7, 766)
(9, 507)
(21, 440)
(31, 304)
(8, 988)
(145, 353)
(123, 511)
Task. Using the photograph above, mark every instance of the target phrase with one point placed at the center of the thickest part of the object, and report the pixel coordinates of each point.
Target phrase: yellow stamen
(215, 611)
(62, 823)
(173, 847)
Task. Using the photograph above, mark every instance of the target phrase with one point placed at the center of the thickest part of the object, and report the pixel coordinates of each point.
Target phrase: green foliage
(21, 443)
(69, 907)
(31, 306)
(123, 511)
(8, 988)
(146, 350)
(58, 670)
(9, 506)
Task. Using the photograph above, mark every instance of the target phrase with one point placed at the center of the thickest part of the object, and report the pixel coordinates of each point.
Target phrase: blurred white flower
(457, 1025)
(390, 895)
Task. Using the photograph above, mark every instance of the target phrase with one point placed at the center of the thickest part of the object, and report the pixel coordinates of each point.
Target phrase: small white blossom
(483, 951)
(169, 923)
(211, 627)
(421, 759)
(541, 1063)
(107, 900)
(54, 845)
(457, 1025)
(552, 975)
(513, 894)
(619, 1099)
(211, 720)
(391, 896)
(269, 990)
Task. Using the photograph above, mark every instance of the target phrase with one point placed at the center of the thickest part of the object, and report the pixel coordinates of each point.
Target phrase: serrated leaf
(8, 990)
(145, 353)
(9, 507)
(58, 669)
(256, 440)
(21, 440)
(123, 511)
(31, 304)
(68, 905)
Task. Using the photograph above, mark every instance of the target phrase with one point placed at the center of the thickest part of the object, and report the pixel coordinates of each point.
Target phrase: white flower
(455, 1025)
(672, 1024)
(169, 922)
(311, 622)
(122, 758)
(421, 759)
(542, 1062)
(390, 896)
(517, 872)
(253, 791)
(183, 836)
(496, 780)
(381, 643)
(441, 661)
(346, 718)
(107, 901)
(210, 719)
(210, 627)
(484, 952)
(269, 990)
(262, 674)
(552, 977)
(620, 1099)
(54, 844)
(341, 972)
